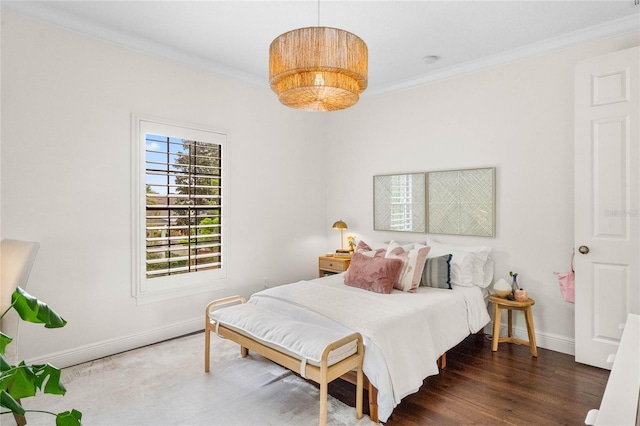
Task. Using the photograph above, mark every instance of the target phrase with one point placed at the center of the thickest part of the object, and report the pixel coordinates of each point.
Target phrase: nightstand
(512, 305)
(328, 265)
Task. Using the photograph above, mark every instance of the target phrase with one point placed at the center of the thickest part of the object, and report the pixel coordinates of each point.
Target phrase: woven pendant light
(318, 68)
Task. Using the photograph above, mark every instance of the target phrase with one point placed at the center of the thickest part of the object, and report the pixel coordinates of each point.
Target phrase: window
(183, 207)
(179, 209)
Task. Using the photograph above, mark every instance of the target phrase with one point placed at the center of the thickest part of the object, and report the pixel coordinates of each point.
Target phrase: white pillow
(471, 261)
(406, 246)
(488, 272)
(461, 264)
(482, 255)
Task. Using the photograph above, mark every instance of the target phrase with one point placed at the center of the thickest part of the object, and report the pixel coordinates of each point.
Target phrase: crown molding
(42, 12)
(597, 32)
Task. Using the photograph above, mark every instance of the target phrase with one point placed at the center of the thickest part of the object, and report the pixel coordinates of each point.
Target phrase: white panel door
(607, 209)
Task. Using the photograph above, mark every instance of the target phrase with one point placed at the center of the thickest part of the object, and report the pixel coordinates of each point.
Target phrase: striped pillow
(437, 272)
(413, 263)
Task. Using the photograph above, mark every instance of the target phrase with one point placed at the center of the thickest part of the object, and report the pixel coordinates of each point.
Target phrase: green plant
(351, 240)
(22, 380)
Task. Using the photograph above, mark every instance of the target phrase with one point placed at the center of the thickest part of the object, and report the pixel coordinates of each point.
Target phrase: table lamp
(341, 226)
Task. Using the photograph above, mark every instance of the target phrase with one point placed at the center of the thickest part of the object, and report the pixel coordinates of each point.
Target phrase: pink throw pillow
(377, 274)
(362, 246)
(365, 249)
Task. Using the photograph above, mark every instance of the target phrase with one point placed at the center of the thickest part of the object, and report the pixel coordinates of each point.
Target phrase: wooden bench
(322, 373)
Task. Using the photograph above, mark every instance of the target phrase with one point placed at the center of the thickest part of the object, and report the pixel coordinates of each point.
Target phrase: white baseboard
(113, 346)
(104, 348)
(552, 342)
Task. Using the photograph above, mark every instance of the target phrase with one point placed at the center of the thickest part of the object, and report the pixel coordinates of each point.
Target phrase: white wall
(66, 106)
(67, 102)
(517, 118)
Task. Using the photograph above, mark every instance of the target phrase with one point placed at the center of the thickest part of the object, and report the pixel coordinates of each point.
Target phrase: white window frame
(164, 288)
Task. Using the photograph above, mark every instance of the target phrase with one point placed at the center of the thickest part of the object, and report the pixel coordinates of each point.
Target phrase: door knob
(583, 249)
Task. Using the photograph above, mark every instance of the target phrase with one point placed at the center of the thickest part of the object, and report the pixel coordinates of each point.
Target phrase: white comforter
(404, 333)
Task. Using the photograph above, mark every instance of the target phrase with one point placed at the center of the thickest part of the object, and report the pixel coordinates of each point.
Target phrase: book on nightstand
(342, 253)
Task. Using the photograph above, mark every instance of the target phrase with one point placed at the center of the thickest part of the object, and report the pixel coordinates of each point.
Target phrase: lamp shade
(339, 225)
(318, 68)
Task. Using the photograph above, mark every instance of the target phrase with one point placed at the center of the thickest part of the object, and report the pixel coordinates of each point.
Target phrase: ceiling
(231, 38)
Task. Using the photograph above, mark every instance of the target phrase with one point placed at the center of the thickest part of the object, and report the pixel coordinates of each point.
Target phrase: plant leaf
(6, 377)
(4, 341)
(4, 365)
(32, 310)
(69, 418)
(52, 376)
(9, 402)
(24, 383)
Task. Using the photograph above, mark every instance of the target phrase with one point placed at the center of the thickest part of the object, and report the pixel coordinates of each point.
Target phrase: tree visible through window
(183, 205)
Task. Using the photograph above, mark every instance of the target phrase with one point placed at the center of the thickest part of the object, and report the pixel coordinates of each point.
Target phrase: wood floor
(504, 387)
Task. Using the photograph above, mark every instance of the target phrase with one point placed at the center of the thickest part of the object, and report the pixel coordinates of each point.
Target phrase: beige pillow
(413, 262)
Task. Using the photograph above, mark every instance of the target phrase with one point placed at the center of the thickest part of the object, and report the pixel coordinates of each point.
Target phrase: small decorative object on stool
(515, 287)
(502, 288)
(520, 295)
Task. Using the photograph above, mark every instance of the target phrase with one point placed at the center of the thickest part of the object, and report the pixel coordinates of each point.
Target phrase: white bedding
(404, 333)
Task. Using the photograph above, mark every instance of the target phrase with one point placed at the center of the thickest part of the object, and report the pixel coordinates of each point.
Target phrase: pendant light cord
(318, 12)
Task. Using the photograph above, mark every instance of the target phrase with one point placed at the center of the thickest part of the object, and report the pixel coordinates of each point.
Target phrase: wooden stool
(501, 303)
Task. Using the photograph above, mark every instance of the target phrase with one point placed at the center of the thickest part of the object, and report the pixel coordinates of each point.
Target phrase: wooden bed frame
(372, 392)
(323, 374)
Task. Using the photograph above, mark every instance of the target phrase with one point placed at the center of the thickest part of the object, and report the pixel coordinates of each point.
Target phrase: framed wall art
(462, 202)
(399, 202)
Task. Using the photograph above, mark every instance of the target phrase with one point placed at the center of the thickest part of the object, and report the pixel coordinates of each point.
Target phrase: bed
(404, 332)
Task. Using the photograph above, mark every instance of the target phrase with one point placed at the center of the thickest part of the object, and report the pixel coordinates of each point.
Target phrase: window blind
(183, 205)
